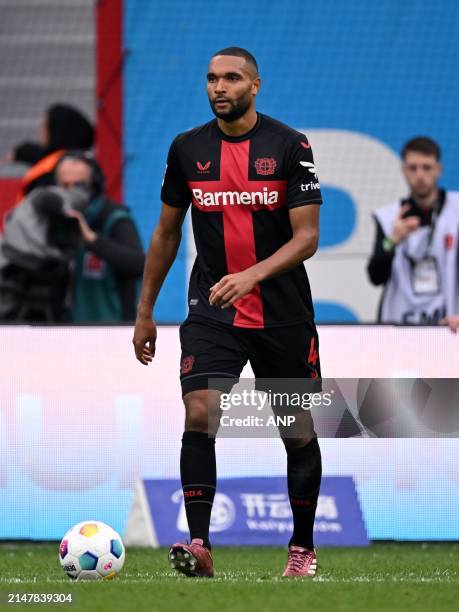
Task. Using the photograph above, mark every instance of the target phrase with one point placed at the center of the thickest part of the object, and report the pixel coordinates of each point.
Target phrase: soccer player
(255, 199)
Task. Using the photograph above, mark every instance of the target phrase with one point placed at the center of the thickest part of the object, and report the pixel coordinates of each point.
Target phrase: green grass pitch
(392, 577)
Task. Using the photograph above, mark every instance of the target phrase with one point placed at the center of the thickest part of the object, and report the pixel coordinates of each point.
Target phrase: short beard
(424, 193)
(238, 108)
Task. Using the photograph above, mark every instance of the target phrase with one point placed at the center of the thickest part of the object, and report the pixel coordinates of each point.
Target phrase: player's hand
(231, 288)
(403, 227)
(452, 322)
(144, 340)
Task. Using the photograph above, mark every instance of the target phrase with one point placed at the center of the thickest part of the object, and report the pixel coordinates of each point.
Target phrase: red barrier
(109, 88)
(9, 189)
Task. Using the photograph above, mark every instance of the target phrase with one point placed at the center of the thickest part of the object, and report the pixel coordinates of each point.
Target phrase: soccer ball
(91, 551)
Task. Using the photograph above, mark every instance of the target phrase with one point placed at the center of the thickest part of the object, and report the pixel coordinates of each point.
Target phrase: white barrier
(81, 420)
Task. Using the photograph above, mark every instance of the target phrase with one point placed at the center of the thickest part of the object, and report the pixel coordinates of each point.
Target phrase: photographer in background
(36, 250)
(415, 255)
(92, 241)
(63, 128)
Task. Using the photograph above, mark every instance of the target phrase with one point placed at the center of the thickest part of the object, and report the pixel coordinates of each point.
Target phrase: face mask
(79, 197)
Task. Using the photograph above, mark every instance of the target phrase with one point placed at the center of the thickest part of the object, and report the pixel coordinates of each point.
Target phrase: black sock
(199, 478)
(304, 472)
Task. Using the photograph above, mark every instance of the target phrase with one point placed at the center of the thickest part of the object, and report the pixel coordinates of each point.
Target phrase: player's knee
(196, 411)
(295, 442)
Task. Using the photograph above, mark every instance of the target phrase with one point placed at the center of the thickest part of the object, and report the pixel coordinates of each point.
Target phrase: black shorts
(211, 349)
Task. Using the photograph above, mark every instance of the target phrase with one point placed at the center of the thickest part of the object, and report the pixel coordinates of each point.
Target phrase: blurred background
(359, 79)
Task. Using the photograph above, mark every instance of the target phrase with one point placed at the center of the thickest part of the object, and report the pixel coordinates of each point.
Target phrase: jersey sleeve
(303, 185)
(175, 191)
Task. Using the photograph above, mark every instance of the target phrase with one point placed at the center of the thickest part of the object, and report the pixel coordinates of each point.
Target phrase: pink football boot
(192, 559)
(301, 562)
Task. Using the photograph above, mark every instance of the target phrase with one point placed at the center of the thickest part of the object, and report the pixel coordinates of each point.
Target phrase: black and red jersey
(241, 189)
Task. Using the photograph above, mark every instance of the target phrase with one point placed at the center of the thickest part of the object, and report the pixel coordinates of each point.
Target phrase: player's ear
(256, 84)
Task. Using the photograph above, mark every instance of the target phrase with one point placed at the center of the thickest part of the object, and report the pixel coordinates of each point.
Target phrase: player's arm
(160, 257)
(162, 251)
(303, 244)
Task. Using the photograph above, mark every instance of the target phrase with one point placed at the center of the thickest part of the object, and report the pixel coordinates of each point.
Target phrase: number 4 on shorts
(313, 354)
